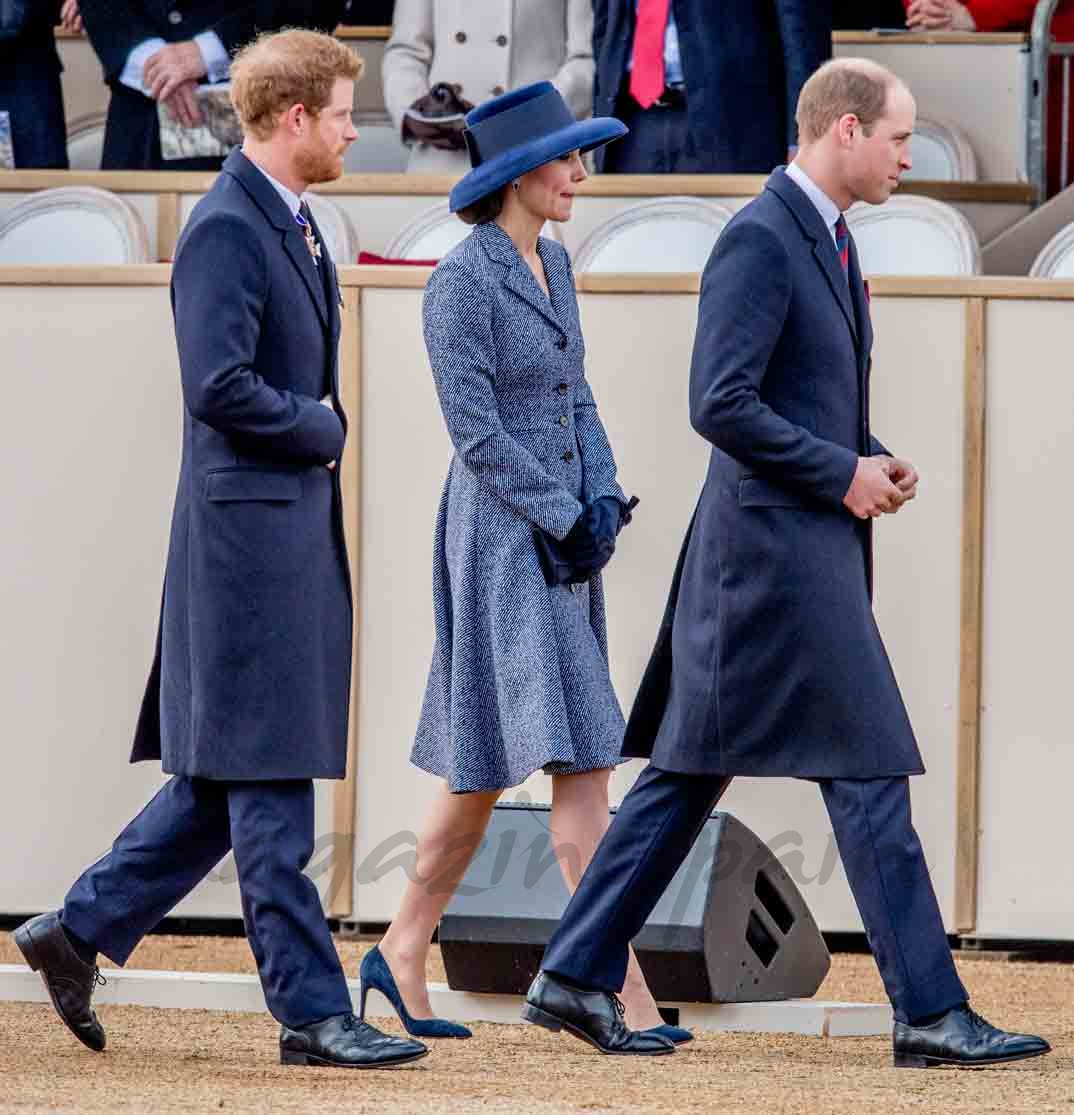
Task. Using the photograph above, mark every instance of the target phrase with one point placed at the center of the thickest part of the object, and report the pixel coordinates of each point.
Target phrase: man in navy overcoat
(769, 661)
(248, 697)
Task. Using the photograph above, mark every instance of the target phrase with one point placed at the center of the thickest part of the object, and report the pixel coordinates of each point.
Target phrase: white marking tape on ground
(235, 991)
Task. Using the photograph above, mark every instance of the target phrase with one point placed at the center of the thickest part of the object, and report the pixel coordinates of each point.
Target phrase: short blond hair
(841, 86)
(285, 68)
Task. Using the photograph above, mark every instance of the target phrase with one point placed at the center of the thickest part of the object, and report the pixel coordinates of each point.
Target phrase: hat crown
(514, 119)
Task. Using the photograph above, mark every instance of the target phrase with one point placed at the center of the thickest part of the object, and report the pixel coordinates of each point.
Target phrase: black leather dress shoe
(343, 1042)
(593, 1016)
(70, 982)
(961, 1037)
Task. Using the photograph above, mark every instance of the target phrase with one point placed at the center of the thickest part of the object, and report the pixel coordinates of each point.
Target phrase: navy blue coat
(769, 661)
(744, 63)
(252, 674)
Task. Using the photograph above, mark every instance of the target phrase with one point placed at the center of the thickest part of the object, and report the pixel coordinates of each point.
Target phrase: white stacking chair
(914, 236)
(1056, 259)
(85, 141)
(378, 148)
(666, 234)
(73, 224)
(336, 228)
(941, 153)
(432, 234)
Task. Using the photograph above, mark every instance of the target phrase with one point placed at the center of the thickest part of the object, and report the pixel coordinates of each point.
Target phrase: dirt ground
(172, 1061)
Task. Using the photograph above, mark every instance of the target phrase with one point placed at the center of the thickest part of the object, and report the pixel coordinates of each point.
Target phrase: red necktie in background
(647, 75)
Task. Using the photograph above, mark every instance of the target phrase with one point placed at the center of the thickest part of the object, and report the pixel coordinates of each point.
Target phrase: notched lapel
(518, 277)
(861, 306)
(828, 261)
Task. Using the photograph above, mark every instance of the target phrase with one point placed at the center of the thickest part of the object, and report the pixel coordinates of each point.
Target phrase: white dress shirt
(291, 199)
(828, 210)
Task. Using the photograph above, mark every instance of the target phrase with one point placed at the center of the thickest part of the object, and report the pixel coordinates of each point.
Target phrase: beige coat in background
(484, 48)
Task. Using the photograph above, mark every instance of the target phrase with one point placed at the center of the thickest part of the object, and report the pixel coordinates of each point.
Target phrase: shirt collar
(828, 210)
(290, 198)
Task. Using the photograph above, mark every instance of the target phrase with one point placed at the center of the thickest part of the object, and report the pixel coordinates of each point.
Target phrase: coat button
(501, 40)
(564, 420)
(460, 36)
(561, 344)
(562, 389)
(569, 455)
(498, 90)
(175, 18)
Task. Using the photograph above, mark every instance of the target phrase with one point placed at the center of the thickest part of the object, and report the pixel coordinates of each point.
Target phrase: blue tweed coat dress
(519, 679)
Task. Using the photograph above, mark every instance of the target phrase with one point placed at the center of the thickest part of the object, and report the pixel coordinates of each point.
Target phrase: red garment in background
(1017, 15)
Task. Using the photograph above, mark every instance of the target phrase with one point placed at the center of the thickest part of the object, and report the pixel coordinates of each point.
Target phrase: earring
(514, 185)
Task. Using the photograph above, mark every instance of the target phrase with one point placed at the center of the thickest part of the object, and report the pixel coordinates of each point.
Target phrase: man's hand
(904, 476)
(183, 106)
(173, 65)
(872, 492)
(70, 17)
(939, 15)
(327, 402)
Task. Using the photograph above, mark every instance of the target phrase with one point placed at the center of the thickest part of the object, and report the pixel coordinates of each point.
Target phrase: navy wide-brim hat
(520, 131)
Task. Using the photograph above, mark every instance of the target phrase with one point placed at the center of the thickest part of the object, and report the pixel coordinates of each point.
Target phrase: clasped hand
(881, 485)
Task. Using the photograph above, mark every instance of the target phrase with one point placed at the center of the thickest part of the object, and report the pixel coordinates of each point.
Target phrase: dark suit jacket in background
(252, 673)
(30, 89)
(744, 63)
(368, 13)
(115, 27)
(865, 14)
(769, 661)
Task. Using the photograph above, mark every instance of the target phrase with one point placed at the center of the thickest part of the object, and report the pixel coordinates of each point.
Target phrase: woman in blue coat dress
(519, 679)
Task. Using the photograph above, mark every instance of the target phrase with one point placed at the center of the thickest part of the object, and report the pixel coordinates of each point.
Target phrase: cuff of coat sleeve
(563, 518)
(326, 433)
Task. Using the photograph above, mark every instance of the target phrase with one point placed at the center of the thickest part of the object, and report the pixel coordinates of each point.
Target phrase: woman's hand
(939, 15)
(71, 17)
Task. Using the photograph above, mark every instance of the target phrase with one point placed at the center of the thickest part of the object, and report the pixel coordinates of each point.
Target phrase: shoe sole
(311, 1060)
(549, 1021)
(25, 942)
(917, 1061)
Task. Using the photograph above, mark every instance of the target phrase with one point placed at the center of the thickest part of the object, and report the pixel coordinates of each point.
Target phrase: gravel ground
(172, 1061)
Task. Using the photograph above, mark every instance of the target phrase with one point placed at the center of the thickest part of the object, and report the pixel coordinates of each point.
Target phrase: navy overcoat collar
(812, 227)
(268, 200)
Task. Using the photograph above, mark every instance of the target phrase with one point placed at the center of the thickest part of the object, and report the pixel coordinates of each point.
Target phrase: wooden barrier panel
(971, 598)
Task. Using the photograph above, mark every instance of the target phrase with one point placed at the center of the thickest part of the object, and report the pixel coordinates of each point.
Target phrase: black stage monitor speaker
(732, 927)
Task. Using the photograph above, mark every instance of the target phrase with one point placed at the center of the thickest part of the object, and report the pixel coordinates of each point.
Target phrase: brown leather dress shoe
(70, 982)
(342, 1041)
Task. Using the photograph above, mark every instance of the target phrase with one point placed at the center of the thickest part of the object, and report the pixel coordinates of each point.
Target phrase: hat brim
(585, 135)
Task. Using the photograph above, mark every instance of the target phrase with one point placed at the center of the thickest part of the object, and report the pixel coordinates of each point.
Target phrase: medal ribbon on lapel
(303, 222)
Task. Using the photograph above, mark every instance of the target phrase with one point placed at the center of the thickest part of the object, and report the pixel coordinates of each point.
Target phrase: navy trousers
(659, 142)
(176, 840)
(30, 92)
(654, 830)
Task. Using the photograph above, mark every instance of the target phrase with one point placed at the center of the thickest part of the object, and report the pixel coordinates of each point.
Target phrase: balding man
(769, 661)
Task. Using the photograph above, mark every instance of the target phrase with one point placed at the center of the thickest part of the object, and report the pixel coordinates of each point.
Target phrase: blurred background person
(159, 51)
(705, 88)
(445, 56)
(1012, 15)
(864, 15)
(368, 13)
(30, 69)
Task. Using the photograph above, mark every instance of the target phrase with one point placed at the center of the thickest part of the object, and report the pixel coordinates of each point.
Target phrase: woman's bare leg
(579, 821)
(452, 834)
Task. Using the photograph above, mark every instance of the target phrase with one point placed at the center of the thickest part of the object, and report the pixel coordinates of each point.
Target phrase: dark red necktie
(842, 244)
(647, 75)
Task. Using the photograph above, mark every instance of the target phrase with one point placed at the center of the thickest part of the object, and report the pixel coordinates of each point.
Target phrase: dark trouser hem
(657, 825)
(177, 839)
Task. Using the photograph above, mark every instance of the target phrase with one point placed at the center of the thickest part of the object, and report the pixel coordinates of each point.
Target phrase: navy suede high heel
(676, 1034)
(377, 976)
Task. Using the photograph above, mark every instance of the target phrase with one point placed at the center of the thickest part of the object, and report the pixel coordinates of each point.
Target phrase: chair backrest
(432, 234)
(378, 148)
(1056, 259)
(336, 228)
(942, 153)
(665, 234)
(914, 236)
(73, 224)
(85, 141)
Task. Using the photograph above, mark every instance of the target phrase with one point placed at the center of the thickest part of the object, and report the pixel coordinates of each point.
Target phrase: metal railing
(1042, 49)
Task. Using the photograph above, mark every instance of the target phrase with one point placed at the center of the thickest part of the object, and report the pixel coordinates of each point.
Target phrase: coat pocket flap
(241, 484)
(755, 492)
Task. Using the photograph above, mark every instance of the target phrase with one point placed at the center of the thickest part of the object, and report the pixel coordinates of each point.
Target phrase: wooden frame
(967, 796)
